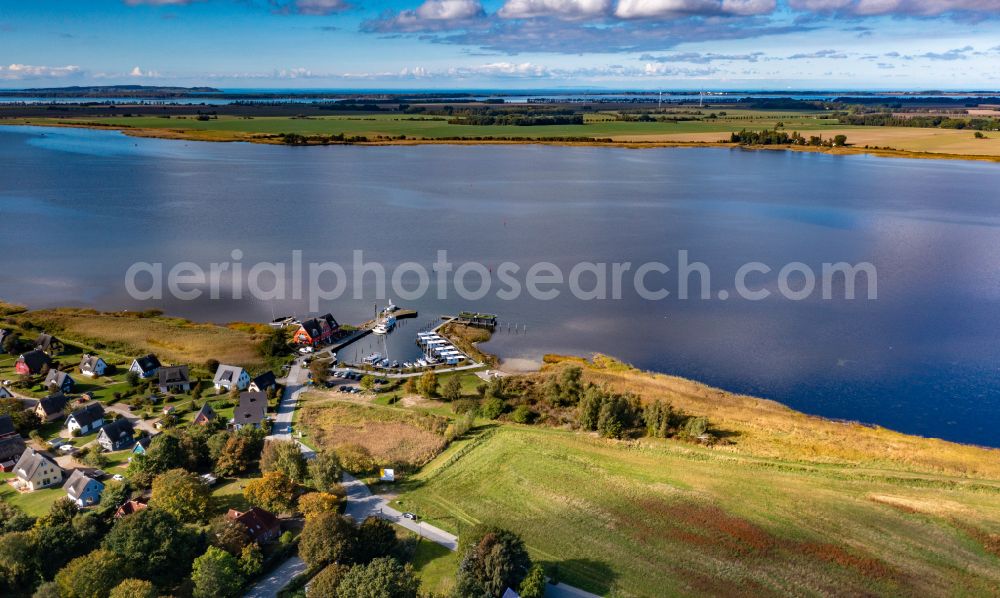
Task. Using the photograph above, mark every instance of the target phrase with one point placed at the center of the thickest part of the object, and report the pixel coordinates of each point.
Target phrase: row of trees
(775, 137)
(888, 118)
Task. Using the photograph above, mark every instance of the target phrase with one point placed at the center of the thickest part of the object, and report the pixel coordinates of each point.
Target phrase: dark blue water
(78, 207)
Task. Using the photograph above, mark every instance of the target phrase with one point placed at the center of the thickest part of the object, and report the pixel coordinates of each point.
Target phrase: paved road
(269, 586)
(361, 503)
(295, 383)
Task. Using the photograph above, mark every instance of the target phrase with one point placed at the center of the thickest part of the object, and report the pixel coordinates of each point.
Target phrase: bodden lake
(78, 207)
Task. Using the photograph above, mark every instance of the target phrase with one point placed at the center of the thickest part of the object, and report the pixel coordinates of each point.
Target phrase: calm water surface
(78, 207)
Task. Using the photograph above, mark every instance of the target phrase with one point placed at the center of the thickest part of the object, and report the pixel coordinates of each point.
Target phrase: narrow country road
(361, 503)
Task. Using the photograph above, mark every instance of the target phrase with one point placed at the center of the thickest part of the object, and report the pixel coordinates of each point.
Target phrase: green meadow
(658, 518)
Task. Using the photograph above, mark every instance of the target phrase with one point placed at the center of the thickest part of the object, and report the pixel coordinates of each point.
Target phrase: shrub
(523, 415)
(355, 458)
(491, 408)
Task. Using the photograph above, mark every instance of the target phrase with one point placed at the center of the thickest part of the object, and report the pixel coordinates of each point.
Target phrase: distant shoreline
(236, 137)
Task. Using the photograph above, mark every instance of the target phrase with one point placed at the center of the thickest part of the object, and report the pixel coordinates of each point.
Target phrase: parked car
(305, 350)
(410, 516)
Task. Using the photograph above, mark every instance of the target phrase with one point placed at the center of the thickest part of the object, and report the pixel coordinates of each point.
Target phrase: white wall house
(231, 376)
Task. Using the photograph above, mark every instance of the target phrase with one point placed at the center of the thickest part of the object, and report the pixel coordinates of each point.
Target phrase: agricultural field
(604, 514)
(598, 126)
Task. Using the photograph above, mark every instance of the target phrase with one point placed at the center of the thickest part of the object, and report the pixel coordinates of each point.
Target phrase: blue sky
(421, 44)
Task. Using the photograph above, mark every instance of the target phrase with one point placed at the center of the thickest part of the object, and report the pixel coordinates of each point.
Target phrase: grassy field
(119, 337)
(664, 518)
(394, 437)
(602, 125)
(770, 429)
(35, 503)
(421, 127)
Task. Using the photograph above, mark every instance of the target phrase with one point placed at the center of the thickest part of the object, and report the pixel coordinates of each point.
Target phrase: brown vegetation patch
(869, 567)
(393, 437)
(466, 338)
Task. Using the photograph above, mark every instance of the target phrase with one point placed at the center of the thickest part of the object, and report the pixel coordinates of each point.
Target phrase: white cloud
(449, 10)
(138, 72)
(898, 7)
(647, 9)
(310, 7)
(567, 9)
(17, 72)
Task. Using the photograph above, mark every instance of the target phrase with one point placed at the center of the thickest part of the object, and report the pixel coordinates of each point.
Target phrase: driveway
(295, 383)
(273, 582)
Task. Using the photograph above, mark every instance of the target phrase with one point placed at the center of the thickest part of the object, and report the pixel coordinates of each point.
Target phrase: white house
(231, 376)
(34, 471)
(92, 366)
(86, 419)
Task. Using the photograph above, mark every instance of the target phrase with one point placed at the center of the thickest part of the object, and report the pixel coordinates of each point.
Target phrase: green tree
(326, 581)
(90, 576)
(216, 574)
(24, 420)
(153, 545)
(132, 378)
(114, 494)
(251, 560)
(429, 384)
(133, 588)
(410, 386)
(533, 585)
(284, 456)
(570, 386)
(658, 417)
(229, 535)
(367, 382)
(589, 408)
(18, 567)
(238, 455)
(275, 344)
(618, 415)
(327, 538)
(376, 538)
(381, 578)
(182, 494)
(492, 408)
(495, 559)
(13, 519)
(273, 492)
(452, 389)
(325, 471)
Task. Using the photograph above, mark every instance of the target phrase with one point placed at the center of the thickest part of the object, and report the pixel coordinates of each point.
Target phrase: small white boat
(380, 329)
(421, 363)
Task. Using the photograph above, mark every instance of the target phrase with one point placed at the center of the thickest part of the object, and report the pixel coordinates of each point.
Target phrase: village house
(83, 490)
(133, 506)
(175, 379)
(48, 343)
(35, 470)
(251, 410)
(7, 427)
(263, 526)
(205, 415)
(32, 362)
(264, 382)
(142, 445)
(5, 394)
(145, 366)
(92, 366)
(117, 436)
(51, 407)
(86, 419)
(59, 381)
(11, 449)
(316, 331)
(230, 376)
